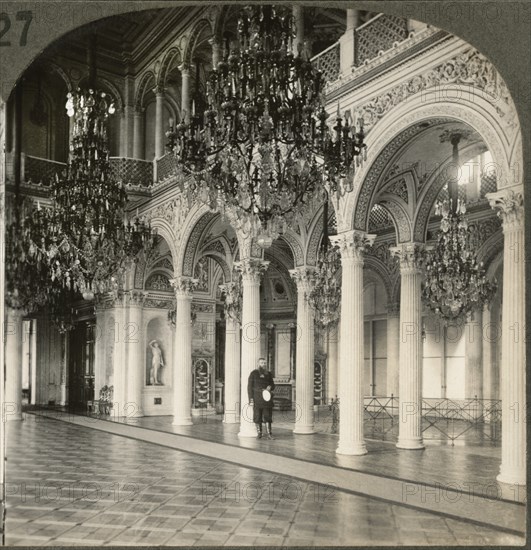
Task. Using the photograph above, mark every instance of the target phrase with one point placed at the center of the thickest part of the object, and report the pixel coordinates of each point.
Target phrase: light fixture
(86, 235)
(263, 146)
(456, 284)
(325, 297)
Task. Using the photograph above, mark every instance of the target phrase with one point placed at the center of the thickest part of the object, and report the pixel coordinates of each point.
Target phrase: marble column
(138, 130)
(509, 203)
(474, 362)
(232, 403)
(410, 361)
(393, 348)
(14, 335)
(182, 366)
(304, 278)
(251, 270)
(33, 364)
(333, 360)
(347, 42)
(185, 92)
(63, 395)
(298, 40)
(351, 369)
(126, 131)
(159, 121)
(135, 353)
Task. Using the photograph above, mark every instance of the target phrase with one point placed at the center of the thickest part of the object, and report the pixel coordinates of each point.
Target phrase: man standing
(259, 388)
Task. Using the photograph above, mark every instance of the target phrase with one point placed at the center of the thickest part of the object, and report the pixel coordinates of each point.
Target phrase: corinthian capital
(183, 286)
(352, 244)
(251, 269)
(305, 278)
(136, 297)
(510, 207)
(411, 256)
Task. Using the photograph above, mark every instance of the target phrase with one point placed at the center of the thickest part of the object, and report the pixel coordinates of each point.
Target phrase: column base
(410, 444)
(356, 449)
(182, 421)
(512, 477)
(304, 430)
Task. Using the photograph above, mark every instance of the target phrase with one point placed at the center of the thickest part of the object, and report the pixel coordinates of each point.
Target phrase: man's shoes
(269, 432)
(258, 431)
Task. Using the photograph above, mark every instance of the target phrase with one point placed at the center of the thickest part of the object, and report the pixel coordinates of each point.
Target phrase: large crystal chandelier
(263, 146)
(87, 237)
(325, 297)
(456, 284)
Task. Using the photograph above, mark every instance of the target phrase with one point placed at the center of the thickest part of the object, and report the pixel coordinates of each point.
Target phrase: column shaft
(135, 357)
(351, 368)
(159, 123)
(393, 350)
(232, 372)
(304, 385)
(513, 465)
(185, 93)
(410, 358)
(333, 357)
(251, 270)
(13, 364)
(138, 141)
(182, 377)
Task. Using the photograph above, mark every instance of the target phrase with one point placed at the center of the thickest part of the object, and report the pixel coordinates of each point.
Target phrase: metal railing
(132, 171)
(328, 62)
(39, 170)
(473, 420)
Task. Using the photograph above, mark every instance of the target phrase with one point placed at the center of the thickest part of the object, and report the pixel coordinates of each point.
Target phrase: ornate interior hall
(189, 188)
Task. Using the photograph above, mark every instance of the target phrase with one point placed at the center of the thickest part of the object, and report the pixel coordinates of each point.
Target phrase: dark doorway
(81, 365)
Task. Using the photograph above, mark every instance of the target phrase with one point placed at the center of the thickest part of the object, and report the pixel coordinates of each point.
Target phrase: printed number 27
(26, 16)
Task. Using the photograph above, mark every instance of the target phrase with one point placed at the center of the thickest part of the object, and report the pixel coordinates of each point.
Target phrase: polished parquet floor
(77, 484)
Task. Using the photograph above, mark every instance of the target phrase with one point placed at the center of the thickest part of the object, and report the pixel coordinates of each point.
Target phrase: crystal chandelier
(456, 283)
(87, 237)
(325, 297)
(263, 146)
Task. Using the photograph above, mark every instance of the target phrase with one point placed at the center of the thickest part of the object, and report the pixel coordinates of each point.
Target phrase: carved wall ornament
(468, 68)
(183, 286)
(353, 244)
(510, 208)
(158, 281)
(201, 273)
(411, 255)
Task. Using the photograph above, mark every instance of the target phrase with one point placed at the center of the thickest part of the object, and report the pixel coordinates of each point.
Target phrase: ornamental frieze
(468, 68)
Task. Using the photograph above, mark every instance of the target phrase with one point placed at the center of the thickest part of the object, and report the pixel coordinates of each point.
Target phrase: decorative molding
(305, 278)
(411, 256)
(158, 281)
(251, 269)
(467, 68)
(203, 308)
(510, 208)
(353, 244)
(183, 286)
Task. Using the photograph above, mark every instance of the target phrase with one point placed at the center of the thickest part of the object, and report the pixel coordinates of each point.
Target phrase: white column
(159, 121)
(63, 395)
(304, 278)
(138, 139)
(410, 362)
(119, 376)
(393, 348)
(14, 336)
(185, 92)
(33, 364)
(513, 466)
(333, 360)
(347, 42)
(126, 131)
(474, 357)
(351, 367)
(182, 366)
(298, 39)
(251, 270)
(135, 354)
(232, 403)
